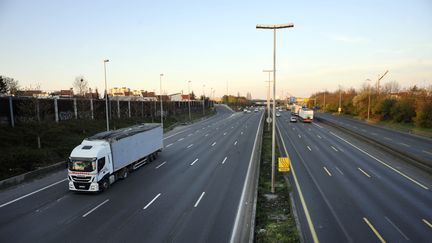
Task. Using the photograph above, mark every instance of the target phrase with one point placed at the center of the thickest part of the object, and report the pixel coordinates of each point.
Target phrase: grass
(407, 127)
(274, 219)
(19, 145)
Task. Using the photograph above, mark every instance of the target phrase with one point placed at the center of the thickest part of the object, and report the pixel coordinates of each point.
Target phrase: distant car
(293, 119)
(248, 111)
(256, 109)
(245, 110)
(277, 114)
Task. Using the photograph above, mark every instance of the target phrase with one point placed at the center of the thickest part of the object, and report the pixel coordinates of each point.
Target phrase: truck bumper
(83, 187)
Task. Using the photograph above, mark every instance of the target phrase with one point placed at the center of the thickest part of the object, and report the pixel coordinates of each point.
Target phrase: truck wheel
(150, 158)
(124, 173)
(104, 184)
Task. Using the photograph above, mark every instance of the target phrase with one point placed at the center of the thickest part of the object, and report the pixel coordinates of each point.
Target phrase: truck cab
(89, 166)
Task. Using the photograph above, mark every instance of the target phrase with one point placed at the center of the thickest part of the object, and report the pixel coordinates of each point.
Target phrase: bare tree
(391, 87)
(11, 84)
(80, 85)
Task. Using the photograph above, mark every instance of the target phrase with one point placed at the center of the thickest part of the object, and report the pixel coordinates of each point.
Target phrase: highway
(346, 190)
(190, 193)
(415, 146)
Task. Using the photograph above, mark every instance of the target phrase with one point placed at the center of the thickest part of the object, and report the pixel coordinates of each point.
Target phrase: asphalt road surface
(190, 193)
(352, 191)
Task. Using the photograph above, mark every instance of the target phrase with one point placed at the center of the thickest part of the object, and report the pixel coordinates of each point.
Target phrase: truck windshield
(82, 165)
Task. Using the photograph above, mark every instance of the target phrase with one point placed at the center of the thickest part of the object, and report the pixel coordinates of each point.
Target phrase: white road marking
(339, 170)
(334, 148)
(232, 127)
(382, 162)
(213, 144)
(309, 129)
(427, 223)
(374, 230)
(190, 134)
(194, 162)
(206, 135)
(328, 172)
(241, 133)
(199, 199)
(319, 136)
(309, 148)
(168, 145)
(293, 128)
(223, 162)
(388, 138)
(427, 152)
(224, 133)
(404, 144)
(374, 133)
(154, 199)
(93, 209)
(180, 139)
(364, 172)
(31, 193)
(174, 134)
(235, 143)
(299, 135)
(397, 228)
(363, 130)
(190, 146)
(157, 167)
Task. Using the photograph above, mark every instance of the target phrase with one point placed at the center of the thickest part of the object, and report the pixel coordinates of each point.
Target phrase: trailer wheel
(125, 173)
(104, 184)
(150, 158)
(154, 155)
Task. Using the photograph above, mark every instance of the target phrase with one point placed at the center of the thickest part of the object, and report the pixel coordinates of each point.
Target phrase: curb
(421, 164)
(9, 182)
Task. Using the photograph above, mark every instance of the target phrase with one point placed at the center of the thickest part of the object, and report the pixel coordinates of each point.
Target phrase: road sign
(269, 120)
(284, 164)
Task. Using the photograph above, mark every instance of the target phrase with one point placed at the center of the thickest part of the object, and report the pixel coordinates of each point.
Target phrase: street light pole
(189, 99)
(340, 100)
(274, 27)
(203, 99)
(268, 98)
(160, 92)
(106, 95)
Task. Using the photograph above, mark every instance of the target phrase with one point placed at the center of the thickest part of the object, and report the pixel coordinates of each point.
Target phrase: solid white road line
(100, 204)
(382, 162)
(374, 230)
(427, 152)
(199, 199)
(189, 146)
(302, 200)
(309, 148)
(397, 228)
(157, 167)
(223, 162)
(427, 223)
(364, 172)
(148, 204)
(334, 148)
(194, 162)
(235, 143)
(339, 170)
(180, 139)
(31, 193)
(328, 172)
(213, 144)
(168, 145)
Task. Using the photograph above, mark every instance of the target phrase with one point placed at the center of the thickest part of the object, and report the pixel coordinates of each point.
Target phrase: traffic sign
(284, 164)
(269, 120)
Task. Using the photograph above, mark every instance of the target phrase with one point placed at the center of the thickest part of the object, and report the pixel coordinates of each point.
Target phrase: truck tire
(124, 174)
(150, 158)
(104, 184)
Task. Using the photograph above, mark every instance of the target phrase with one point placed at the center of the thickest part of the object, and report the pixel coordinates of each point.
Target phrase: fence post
(129, 109)
(118, 108)
(75, 108)
(91, 108)
(56, 110)
(12, 119)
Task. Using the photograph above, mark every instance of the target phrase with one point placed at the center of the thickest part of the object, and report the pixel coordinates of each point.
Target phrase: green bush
(404, 110)
(424, 116)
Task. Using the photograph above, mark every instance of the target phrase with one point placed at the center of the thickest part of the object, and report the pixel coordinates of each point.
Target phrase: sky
(215, 44)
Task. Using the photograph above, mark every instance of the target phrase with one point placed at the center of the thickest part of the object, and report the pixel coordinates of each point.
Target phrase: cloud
(350, 39)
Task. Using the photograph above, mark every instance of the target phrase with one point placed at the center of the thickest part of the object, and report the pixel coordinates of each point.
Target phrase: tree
(192, 96)
(386, 107)
(424, 116)
(80, 85)
(404, 110)
(11, 85)
(3, 86)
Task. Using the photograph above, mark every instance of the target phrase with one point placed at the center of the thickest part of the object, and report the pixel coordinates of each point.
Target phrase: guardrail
(244, 225)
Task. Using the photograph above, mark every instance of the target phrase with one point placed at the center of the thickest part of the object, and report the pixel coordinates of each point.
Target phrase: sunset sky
(215, 43)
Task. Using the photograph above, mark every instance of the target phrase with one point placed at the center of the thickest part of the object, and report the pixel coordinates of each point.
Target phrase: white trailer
(306, 115)
(107, 156)
(295, 109)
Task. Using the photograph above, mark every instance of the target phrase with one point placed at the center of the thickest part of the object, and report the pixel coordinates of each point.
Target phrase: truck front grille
(81, 178)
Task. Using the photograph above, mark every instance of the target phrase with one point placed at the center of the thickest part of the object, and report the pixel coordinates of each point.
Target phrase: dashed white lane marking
(334, 148)
(189, 146)
(309, 148)
(154, 199)
(190, 134)
(374, 133)
(213, 144)
(194, 162)
(328, 172)
(93, 209)
(427, 152)
(404, 144)
(235, 143)
(224, 133)
(180, 139)
(31, 193)
(339, 170)
(319, 136)
(241, 133)
(199, 199)
(299, 135)
(206, 135)
(223, 162)
(427, 223)
(157, 167)
(366, 174)
(388, 138)
(397, 228)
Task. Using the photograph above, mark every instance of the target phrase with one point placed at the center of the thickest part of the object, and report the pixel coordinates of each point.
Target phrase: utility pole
(160, 90)
(106, 96)
(369, 99)
(203, 99)
(378, 81)
(189, 99)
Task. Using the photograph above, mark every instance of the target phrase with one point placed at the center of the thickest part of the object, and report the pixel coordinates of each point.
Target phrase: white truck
(295, 109)
(107, 156)
(306, 115)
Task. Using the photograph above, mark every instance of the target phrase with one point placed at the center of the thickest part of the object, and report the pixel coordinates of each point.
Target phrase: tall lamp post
(340, 100)
(106, 95)
(203, 99)
(160, 92)
(274, 28)
(189, 99)
(369, 93)
(268, 98)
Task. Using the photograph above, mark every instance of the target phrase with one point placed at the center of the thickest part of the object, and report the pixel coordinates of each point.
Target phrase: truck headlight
(94, 187)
